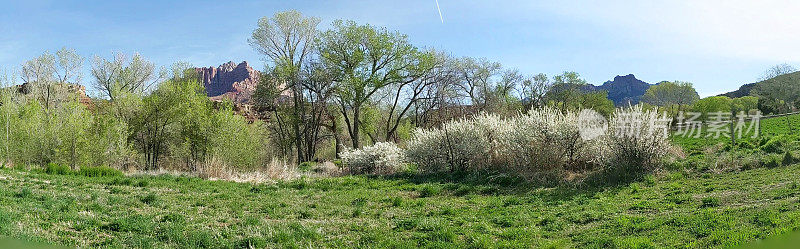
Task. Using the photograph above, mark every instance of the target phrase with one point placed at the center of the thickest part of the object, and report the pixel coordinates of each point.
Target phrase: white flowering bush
(457, 146)
(548, 141)
(541, 143)
(380, 158)
(638, 142)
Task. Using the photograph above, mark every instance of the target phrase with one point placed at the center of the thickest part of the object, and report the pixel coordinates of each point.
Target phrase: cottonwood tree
(502, 98)
(318, 87)
(671, 94)
(46, 76)
(533, 90)
(567, 88)
(777, 70)
(434, 105)
(267, 98)
(364, 59)
(476, 79)
(176, 114)
(8, 107)
(426, 72)
(712, 104)
(119, 75)
(286, 39)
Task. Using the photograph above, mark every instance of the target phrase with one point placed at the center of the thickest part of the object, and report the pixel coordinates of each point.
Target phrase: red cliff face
(229, 81)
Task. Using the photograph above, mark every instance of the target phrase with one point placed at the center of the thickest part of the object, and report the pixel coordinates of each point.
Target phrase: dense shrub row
(541, 145)
(175, 128)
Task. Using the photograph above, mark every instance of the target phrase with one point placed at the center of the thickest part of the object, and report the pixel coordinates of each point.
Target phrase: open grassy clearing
(165, 211)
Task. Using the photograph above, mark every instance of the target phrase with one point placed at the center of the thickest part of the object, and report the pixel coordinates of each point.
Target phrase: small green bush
(101, 171)
(788, 158)
(429, 191)
(149, 198)
(772, 162)
(24, 193)
(57, 169)
(710, 201)
(306, 166)
(774, 145)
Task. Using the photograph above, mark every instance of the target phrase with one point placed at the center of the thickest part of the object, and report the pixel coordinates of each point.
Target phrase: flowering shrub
(548, 143)
(638, 141)
(380, 158)
(457, 146)
(537, 144)
(540, 144)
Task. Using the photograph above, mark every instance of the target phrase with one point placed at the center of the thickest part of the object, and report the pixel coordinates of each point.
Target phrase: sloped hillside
(747, 89)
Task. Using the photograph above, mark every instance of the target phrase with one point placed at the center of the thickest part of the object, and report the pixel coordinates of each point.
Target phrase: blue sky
(717, 45)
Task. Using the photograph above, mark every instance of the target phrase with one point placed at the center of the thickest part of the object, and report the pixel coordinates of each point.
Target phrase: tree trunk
(296, 124)
(356, 122)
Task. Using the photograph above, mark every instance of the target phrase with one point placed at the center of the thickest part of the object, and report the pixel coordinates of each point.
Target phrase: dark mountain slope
(623, 89)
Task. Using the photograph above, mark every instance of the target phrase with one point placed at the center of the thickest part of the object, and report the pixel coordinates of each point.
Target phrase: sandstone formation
(229, 81)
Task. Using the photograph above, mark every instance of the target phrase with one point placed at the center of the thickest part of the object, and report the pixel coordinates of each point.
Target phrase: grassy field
(788, 125)
(165, 211)
(678, 208)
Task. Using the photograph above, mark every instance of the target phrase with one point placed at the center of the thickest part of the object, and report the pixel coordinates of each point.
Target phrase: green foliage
(788, 158)
(149, 198)
(710, 201)
(669, 93)
(237, 143)
(365, 59)
(566, 89)
(306, 166)
(779, 93)
(746, 104)
(57, 169)
(775, 144)
(712, 104)
(100, 171)
(772, 162)
(597, 101)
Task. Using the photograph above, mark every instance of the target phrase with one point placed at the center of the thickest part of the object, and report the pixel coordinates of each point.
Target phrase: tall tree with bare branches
(286, 39)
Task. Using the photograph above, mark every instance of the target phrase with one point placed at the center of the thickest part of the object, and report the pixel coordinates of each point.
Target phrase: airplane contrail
(440, 11)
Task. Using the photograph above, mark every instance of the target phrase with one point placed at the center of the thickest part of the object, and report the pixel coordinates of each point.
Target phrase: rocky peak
(624, 90)
(236, 82)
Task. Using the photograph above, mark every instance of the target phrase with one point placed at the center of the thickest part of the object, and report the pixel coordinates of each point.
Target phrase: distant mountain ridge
(747, 89)
(623, 90)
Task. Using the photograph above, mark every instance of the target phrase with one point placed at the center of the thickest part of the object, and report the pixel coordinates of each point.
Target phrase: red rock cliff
(229, 81)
